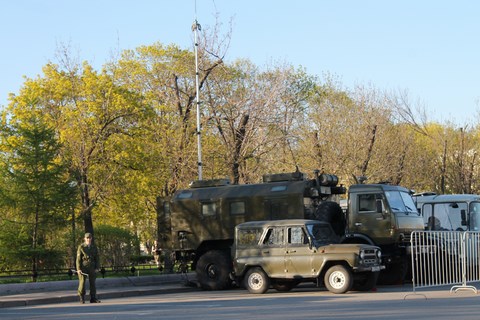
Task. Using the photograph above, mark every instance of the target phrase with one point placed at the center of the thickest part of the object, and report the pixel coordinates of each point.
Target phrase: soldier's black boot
(94, 300)
(82, 299)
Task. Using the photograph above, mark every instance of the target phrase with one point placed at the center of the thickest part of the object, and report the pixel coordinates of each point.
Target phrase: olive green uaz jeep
(283, 253)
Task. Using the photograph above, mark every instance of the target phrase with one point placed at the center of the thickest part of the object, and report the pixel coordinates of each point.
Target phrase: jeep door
(298, 253)
(272, 258)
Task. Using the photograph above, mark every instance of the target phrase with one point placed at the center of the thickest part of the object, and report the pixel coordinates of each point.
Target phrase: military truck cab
(383, 215)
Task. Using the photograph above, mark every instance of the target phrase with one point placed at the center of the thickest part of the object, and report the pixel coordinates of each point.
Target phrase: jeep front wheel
(256, 281)
(338, 279)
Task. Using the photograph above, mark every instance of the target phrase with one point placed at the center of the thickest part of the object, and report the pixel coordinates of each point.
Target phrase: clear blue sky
(430, 48)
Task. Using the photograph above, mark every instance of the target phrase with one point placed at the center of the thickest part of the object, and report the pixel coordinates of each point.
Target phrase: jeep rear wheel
(213, 270)
(256, 281)
(338, 279)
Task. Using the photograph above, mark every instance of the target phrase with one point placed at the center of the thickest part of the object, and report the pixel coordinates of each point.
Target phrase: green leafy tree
(115, 245)
(36, 188)
(95, 117)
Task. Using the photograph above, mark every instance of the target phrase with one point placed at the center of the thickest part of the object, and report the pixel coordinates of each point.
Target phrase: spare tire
(331, 212)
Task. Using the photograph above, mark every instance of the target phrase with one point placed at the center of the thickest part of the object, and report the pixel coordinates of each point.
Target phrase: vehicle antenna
(195, 28)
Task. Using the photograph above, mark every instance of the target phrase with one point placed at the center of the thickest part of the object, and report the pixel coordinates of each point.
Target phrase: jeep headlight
(362, 254)
(379, 254)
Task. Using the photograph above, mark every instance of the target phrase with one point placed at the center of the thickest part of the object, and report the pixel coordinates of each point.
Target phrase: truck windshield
(322, 234)
(400, 201)
(475, 216)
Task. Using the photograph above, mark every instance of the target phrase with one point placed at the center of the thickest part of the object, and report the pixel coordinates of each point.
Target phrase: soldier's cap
(88, 235)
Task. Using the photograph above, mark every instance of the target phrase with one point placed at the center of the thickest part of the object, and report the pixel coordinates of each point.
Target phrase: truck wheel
(367, 281)
(256, 281)
(394, 273)
(338, 279)
(331, 212)
(213, 270)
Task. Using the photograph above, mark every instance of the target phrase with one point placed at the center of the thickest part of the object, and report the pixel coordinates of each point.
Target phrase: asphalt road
(304, 302)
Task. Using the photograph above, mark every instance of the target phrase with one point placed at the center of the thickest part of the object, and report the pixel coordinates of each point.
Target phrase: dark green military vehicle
(383, 215)
(199, 222)
(283, 253)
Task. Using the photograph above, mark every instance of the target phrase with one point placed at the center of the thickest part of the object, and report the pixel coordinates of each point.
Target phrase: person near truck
(156, 253)
(88, 264)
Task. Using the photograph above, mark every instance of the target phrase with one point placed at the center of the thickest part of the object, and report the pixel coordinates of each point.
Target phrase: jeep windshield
(322, 234)
(401, 202)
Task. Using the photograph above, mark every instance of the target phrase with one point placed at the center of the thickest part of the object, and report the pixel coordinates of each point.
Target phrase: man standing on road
(87, 265)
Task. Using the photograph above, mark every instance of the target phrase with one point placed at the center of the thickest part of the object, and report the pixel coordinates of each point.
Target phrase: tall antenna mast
(195, 28)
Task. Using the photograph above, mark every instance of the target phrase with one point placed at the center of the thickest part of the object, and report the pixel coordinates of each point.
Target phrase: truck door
(298, 255)
(368, 216)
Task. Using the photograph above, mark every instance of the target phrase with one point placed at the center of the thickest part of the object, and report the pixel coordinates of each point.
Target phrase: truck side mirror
(463, 215)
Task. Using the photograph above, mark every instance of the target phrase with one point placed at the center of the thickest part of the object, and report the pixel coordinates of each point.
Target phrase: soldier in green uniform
(88, 264)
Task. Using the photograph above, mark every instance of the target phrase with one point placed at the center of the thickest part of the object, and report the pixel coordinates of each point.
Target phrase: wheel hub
(212, 271)
(337, 280)
(255, 281)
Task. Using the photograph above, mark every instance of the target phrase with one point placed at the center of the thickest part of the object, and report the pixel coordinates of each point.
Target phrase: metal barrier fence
(12, 276)
(442, 258)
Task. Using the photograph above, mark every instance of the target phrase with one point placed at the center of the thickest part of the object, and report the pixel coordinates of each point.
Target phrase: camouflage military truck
(199, 222)
(283, 253)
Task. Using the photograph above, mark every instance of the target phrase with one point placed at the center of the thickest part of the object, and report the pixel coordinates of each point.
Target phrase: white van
(452, 212)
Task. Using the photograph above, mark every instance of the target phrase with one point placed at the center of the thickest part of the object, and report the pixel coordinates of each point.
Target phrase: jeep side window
(248, 237)
(274, 237)
(296, 236)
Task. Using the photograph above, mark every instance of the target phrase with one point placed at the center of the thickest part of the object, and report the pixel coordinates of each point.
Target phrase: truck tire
(331, 212)
(366, 282)
(338, 279)
(213, 270)
(256, 281)
(394, 273)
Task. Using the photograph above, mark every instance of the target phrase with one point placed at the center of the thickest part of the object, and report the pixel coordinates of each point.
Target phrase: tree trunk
(239, 139)
(369, 152)
(86, 204)
(444, 168)
(34, 246)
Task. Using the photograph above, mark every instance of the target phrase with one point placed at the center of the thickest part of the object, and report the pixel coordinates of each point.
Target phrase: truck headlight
(379, 254)
(362, 255)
